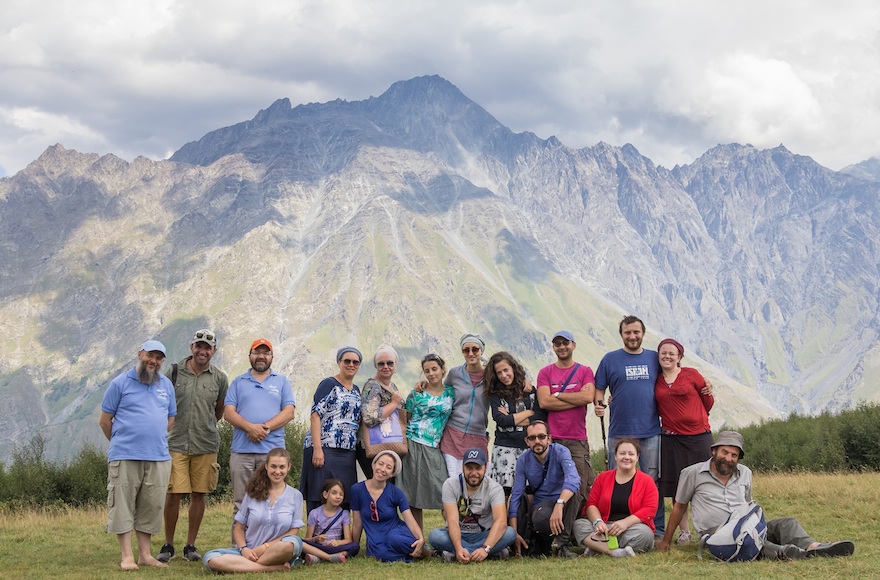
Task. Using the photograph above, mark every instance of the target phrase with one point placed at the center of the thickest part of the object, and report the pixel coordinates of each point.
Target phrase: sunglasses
(204, 336)
(561, 342)
(429, 357)
(374, 512)
(350, 361)
(385, 363)
(471, 349)
(464, 507)
(538, 437)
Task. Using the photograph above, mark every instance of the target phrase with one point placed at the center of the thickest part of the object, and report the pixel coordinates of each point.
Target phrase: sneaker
(833, 549)
(684, 537)
(503, 555)
(790, 552)
(310, 559)
(624, 552)
(338, 558)
(587, 553)
(166, 553)
(190, 553)
(448, 557)
(564, 552)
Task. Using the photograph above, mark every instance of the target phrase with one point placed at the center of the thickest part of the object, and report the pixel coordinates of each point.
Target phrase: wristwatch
(560, 501)
(488, 548)
(556, 394)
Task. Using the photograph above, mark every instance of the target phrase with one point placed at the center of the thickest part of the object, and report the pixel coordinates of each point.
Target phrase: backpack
(740, 538)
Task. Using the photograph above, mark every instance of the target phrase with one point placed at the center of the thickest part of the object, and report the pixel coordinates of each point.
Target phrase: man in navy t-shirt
(629, 375)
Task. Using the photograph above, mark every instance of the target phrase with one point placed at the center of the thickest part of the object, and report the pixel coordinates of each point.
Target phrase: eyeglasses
(262, 352)
(561, 342)
(385, 363)
(201, 335)
(374, 512)
(471, 349)
(349, 361)
(538, 437)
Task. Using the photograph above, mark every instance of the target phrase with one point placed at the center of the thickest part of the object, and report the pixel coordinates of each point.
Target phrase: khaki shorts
(136, 495)
(193, 473)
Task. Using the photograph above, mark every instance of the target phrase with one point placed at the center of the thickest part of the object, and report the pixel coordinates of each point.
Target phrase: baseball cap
(475, 455)
(206, 336)
(152, 345)
(261, 342)
(563, 334)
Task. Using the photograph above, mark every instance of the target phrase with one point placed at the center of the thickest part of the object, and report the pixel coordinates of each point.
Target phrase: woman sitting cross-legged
(621, 507)
(266, 527)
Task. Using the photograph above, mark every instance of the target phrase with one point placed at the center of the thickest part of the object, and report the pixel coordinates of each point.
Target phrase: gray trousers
(241, 467)
(784, 531)
(639, 537)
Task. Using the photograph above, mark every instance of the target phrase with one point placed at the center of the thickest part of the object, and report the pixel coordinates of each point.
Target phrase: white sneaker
(684, 537)
(624, 552)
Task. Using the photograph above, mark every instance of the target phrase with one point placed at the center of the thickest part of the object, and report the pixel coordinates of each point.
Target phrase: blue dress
(388, 540)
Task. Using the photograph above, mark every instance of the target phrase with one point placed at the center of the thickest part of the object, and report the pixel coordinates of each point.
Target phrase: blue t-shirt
(140, 417)
(258, 402)
(630, 379)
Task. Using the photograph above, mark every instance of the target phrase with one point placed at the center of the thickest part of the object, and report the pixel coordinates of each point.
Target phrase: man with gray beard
(137, 411)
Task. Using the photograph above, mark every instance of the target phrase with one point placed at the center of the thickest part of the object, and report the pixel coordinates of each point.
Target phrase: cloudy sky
(672, 77)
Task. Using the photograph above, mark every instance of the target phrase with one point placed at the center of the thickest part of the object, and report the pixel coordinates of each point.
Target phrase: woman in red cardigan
(622, 505)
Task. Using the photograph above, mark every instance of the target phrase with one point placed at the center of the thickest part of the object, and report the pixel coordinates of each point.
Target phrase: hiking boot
(790, 552)
(166, 553)
(624, 552)
(833, 549)
(190, 553)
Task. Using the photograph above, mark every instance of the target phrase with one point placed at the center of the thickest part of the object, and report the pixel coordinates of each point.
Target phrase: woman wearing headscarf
(379, 399)
(329, 445)
(683, 402)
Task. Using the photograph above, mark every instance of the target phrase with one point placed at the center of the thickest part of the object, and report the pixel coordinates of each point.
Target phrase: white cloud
(672, 77)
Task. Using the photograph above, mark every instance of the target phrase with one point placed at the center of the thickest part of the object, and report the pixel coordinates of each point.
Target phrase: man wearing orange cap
(259, 404)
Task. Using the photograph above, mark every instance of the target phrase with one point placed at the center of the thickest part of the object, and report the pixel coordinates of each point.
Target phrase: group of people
(537, 496)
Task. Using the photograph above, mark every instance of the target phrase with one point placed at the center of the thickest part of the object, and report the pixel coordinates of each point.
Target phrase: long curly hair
(493, 384)
(259, 484)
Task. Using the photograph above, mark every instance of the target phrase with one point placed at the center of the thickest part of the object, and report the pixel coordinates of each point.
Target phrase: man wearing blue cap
(137, 411)
(565, 390)
(475, 511)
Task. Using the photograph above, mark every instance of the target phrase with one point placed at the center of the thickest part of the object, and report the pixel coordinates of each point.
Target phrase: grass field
(71, 543)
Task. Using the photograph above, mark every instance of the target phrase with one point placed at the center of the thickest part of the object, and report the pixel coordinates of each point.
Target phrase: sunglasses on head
(385, 363)
(429, 357)
(200, 335)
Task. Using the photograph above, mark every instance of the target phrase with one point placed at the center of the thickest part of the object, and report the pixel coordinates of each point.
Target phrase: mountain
(868, 169)
(414, 216)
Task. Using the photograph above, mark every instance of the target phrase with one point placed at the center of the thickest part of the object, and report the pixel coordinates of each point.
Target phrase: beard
(260, 366)
(724, 467)
(146, 376)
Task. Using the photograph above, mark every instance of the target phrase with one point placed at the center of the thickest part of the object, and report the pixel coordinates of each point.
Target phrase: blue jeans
(439, 540)
(649, 462)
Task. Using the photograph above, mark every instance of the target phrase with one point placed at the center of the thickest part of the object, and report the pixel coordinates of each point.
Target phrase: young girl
(329, 526)
(424, 469)
(265, 528)
(513, 407)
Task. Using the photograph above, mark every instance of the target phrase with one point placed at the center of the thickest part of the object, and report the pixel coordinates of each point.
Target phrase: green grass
(71, 543)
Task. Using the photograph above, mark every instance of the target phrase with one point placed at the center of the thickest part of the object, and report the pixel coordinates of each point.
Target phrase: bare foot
(151, 561)
(128, 564)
